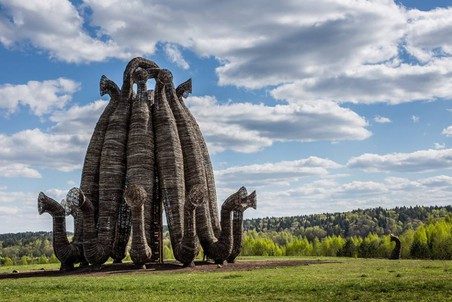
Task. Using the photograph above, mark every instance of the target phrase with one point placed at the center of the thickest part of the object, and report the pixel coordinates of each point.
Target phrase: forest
(425, 233)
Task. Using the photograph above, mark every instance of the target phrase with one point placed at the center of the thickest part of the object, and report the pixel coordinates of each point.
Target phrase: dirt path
(169, 266)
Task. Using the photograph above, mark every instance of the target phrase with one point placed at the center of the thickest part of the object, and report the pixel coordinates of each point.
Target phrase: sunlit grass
(345, 280)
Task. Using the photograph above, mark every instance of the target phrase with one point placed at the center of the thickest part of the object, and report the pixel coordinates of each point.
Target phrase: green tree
(43, 260)
(419, 248)
(24, 260)
(8, 261)
(53, 259)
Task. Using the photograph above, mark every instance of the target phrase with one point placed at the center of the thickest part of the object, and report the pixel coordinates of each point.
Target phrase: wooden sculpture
(146, 150)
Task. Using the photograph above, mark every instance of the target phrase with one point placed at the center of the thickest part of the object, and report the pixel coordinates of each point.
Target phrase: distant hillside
(24, 238)
(357, 222)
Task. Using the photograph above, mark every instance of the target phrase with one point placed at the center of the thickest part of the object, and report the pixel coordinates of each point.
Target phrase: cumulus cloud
(368, 84)
(18, 212)
(418, 161)
(8, 210)
(260, 45)
(78, 119)
(42, 149)
(62, 147)
(40, 97)
(447, 131)
(173, 53)
(55, 26)
(437, 181)
(439, 145)
(429, 33)
(331, 195)
(278, 172)
(311, 49)
(8, 169)
(57, 194)
(247, 127)
(381, 119)
(359, 188)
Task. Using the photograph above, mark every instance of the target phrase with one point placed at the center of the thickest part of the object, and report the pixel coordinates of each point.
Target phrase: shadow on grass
(169, 266)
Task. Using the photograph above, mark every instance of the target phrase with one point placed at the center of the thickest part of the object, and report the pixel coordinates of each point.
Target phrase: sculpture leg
(67, 253)
(140, 252)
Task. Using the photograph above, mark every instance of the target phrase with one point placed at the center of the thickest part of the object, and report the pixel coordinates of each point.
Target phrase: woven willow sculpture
(146, 149)
(397, 251)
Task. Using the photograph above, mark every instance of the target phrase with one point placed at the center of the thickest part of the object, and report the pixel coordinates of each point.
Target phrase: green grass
(348, 280)
(30, 267)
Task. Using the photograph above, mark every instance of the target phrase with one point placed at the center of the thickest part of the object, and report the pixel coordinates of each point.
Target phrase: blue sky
(320, 106)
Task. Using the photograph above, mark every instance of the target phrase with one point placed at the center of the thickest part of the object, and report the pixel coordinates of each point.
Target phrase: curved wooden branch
(112, 175)
(397, 251)
(212, 214)
(90, 173)
(68, 253)
(170, 167)
(140, 163)
(140, 252)
(95, 252)
(237, 227)
(151, 67)
(184, 89)
(221, 249)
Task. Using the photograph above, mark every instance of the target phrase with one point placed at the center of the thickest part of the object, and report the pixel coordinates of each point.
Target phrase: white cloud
(381, 119)
(8, 210)
(55, 26)
(311, 49)
(418, 161)
(174, 55)
(19, 212)
(8, 169)
(437, 181)
(41, 149)
(393, 84)
(361, 188)
(278, 172)
(439, 145)
(57, 194)
(247, 127)
(331, 195)
(290, 45)
(40, 97)
(429, 33)
(78, 119)
(259, 45)
(61, 148)
(447, 131)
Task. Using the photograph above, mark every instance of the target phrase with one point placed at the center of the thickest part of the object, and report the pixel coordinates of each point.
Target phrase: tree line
(360, 222)
(432, 240)
(425, 232)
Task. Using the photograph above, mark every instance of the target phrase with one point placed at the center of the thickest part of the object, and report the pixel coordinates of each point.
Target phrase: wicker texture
(68, 253)
(135, 196)
(90, 172)
(237, 227)
(183, 90)
(397, 251)
(170, 168)
(146, 150)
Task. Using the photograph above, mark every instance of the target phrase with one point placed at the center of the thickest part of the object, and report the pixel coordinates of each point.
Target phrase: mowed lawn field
(340, 279)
